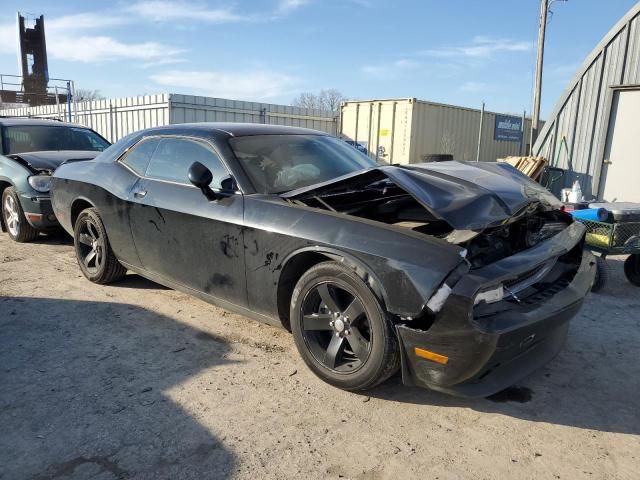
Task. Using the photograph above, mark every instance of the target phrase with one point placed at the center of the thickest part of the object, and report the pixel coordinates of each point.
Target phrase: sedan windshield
(279, 163)
(38, 138)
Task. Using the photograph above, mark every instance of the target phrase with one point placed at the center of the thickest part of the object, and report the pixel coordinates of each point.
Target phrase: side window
(174, 156)
(138, 157)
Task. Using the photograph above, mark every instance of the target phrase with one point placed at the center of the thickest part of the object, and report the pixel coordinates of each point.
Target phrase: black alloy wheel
(90, 245)
(341, 329)
(335, 327)
(93, 251)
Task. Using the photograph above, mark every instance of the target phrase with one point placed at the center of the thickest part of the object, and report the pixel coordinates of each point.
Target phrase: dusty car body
(24, 164)
(475, 267)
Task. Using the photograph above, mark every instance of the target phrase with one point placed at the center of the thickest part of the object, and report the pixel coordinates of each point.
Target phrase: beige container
(408, 130)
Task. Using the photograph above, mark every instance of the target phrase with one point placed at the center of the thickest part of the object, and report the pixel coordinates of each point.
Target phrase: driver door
(178, 233)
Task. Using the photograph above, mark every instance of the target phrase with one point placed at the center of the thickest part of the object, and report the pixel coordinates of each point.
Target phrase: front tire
(18, 228)
(602, 275)
(93, 251)
(341, 329)
(632, 269)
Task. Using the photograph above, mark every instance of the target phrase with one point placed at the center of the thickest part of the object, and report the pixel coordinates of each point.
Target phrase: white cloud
(83, 21)
(255, 85)
(287, 6)
(481, 47)
(473, 87)
(391, 69)
(176, 11)
(96, 49)
(8, 38)
(165, 11)
(74, 38)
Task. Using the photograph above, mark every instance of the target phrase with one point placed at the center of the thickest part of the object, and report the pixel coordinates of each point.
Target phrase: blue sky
(450, 51)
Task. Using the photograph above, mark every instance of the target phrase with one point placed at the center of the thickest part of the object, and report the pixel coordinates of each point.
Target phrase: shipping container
(409, 131)
(115, 118)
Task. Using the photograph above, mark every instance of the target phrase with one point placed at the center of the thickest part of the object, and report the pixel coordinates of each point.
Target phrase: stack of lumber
(530, 166)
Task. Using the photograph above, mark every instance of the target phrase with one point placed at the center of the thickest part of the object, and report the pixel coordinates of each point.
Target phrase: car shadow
(133, 280)
(54, 237)
(89, 394)
(593, 383)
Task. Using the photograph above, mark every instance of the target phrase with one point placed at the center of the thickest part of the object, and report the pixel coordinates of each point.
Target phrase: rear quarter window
(137, 159)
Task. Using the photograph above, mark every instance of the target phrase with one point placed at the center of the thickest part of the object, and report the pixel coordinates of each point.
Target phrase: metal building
(409, 130)
(115, 118)
(593, 132)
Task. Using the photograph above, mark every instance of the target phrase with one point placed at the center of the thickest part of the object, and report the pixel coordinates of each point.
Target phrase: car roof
(234, 129)
(12, 121)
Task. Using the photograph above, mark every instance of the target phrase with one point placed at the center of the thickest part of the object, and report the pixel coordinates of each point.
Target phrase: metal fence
(115, 118)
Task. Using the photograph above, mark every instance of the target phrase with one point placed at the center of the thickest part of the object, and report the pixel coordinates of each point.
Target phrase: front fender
(406, 268)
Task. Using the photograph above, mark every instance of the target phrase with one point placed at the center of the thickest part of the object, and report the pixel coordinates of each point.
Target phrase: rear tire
(18, 228)
(93, 251)
(632, 269)
(341, 329)
(602, 275)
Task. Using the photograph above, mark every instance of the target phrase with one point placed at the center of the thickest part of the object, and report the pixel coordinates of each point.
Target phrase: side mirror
(228, 185)
(201, 177)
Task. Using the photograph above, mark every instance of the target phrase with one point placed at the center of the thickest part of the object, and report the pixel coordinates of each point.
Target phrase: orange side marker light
(433, 356)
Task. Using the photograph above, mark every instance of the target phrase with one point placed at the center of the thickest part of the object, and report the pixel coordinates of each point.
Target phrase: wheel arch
(77, 206)
(298, 262)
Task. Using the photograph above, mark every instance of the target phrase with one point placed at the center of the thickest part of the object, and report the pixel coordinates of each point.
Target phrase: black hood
(467, 195)
(39, 161)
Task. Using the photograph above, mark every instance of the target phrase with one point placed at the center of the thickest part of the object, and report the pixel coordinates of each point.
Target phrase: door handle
(140, 194)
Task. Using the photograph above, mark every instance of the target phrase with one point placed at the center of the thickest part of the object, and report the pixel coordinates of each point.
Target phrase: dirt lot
(137, 381)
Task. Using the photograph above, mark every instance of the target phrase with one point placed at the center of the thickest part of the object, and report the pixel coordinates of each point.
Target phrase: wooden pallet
(530, 166)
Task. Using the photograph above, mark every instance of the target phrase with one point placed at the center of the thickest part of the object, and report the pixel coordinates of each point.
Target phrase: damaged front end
(504, 310)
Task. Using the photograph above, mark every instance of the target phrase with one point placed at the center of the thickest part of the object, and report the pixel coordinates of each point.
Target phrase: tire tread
(113, 269)
(26, 233)
(391, 359)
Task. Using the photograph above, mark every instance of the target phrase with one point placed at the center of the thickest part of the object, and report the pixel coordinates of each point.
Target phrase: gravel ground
(136, 381)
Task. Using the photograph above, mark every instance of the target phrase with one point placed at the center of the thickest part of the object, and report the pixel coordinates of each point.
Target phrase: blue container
(594, 214)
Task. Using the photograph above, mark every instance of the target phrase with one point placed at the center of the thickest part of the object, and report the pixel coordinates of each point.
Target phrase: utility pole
(480, 133)
(537, 89)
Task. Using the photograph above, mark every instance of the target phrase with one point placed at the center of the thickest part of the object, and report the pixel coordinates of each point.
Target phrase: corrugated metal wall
(379, 123)
(439, 128)
(575, 135)
(189, 108)
(409, 129)
(115, 118)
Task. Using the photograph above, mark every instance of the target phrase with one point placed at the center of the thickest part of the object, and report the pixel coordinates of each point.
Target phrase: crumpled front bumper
(491, 350)
(38, 210)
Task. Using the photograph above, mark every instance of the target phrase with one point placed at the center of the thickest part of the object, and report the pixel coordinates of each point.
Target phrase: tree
(329, 99)
(86, 95)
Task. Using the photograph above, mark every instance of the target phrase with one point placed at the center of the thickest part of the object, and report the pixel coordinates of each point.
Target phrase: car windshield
(279, 163)
(38, 138)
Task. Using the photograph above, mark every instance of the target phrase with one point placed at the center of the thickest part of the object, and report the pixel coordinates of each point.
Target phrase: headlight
(41, 183)
(490, 296)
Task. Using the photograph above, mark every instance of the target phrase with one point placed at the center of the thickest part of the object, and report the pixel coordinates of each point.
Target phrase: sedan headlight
(490, 296)
(41, 183)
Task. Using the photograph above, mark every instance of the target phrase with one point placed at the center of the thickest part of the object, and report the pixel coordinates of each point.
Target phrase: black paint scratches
(229, 246)
(512, 394)
(159, 212)
(218, 280)
(253, 249)
(269, 261)
(152, 222)
(271, 256)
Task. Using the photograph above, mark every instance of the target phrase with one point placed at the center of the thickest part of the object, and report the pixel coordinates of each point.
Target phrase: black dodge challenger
(463, 275)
